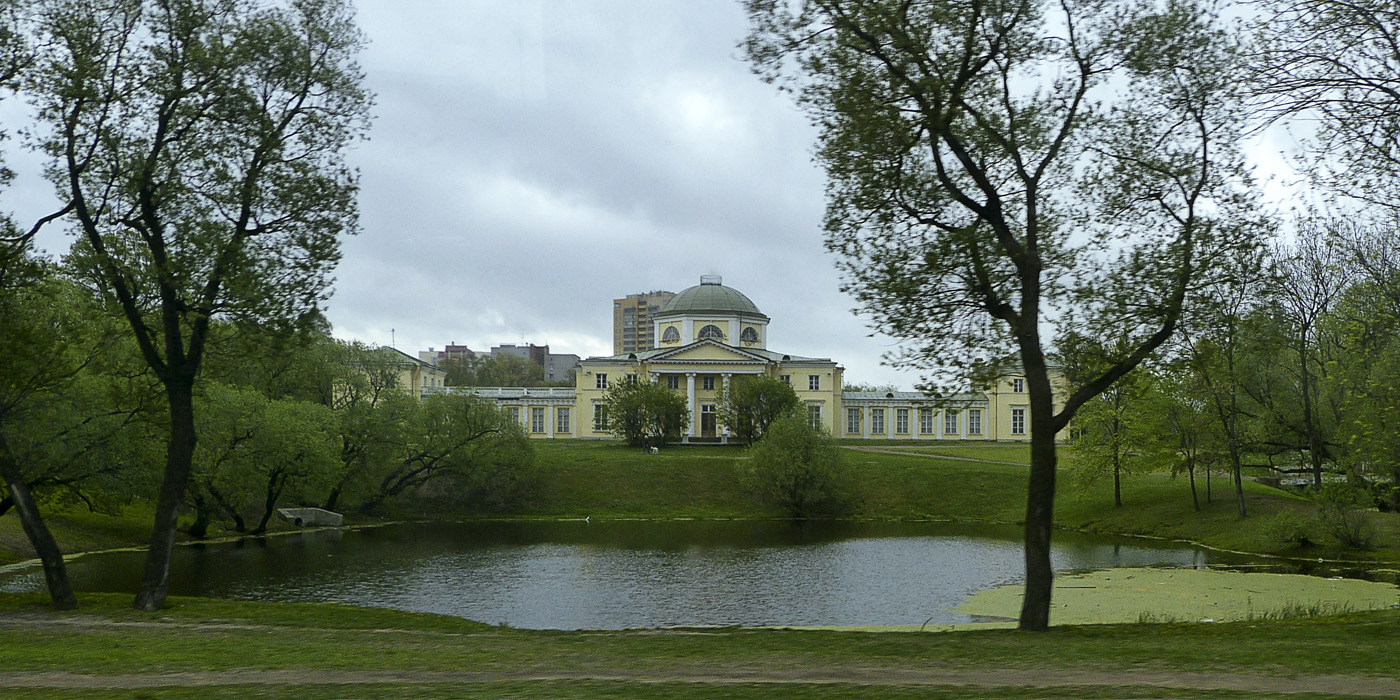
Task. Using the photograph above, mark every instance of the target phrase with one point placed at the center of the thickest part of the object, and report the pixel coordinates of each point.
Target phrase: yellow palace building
(710, 335)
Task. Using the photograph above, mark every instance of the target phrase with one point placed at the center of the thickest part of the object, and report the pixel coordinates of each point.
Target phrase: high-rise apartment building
(632, 320)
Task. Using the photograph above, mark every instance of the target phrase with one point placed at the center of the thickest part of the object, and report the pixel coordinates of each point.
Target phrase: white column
(733, 331)
(865, 422)
(690, 400)
(551, 414)
(687, 331)
(891, 415)
(725, 378)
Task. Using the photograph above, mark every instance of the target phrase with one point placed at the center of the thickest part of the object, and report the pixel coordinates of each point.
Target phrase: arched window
(711, 332)
(670, 335)
(749, 335)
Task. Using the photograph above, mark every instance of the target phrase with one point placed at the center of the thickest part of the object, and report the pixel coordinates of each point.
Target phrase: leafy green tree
(798, 467)
(199, 145)
(253, 451)
(1333, 63)
(1181, 423)
(457, 438)
(494, 370)
(748, 405)
(644, 413)
(994, 164)
(1112, 433)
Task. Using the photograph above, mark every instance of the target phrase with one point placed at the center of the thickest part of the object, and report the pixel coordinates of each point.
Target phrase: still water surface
(607, 575)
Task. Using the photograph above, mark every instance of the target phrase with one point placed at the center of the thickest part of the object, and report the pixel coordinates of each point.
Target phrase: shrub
(1339, 516)
(798, 467)
(1289, 528)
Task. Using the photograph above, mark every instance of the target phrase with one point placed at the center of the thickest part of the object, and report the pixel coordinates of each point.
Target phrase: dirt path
(930, 455)
(1040, 679)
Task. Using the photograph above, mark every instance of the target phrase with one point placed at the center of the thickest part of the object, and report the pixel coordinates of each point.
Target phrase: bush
(1289, 528)
(798, 467)
(1338, 514)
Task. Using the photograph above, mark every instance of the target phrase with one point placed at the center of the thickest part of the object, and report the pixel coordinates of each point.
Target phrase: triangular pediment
(706, 351)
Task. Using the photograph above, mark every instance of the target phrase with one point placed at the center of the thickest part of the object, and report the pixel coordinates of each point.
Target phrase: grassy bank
(199, 648)
(970, 482)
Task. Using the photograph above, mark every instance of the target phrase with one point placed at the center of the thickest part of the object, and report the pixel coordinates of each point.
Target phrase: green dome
(709, 297)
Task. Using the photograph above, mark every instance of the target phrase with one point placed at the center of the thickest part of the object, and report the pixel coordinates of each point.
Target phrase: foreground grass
(319, 647)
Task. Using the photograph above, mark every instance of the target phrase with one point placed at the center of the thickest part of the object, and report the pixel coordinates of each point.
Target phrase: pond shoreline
(1377, 565)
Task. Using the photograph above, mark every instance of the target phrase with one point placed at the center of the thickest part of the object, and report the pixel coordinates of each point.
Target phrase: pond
(610, 575)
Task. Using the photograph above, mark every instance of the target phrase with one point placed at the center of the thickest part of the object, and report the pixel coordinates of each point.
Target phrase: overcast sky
(530, 161)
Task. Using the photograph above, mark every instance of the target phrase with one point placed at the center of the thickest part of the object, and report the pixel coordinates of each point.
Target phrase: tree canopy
(992, 164)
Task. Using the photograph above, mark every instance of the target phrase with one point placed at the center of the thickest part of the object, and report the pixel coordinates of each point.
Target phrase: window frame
(705, 334)
(974, 421)
(814, 415)
(926, 421)
(561, 419)
(951, 417)
(814, 382)
(1018, 420)
(901, 421)
(877, 421)
(600, 380)
(537, 420)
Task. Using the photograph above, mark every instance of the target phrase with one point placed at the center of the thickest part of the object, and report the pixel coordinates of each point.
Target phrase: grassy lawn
(607, 480)
(319, 648)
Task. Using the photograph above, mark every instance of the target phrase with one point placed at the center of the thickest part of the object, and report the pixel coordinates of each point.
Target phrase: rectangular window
(974, 421)
(561, 420)
(853, 421)
(877, 421)
(673, 381)
(814, 382)
(814, 415)
(1018, 421)
(950, 422)
(537, 419)
(602, 381)
(514, 413)
(631, 379)
(785, 378)
(707, 383)
(926, 421)
(901, 421)
(1018, 386)
(600, 418)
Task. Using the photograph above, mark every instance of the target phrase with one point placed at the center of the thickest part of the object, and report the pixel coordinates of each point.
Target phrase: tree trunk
(1040, 508)
(1309, 423)
(1191, 474)
(333, 499)
(55, 573)
(199, 529)
(275, 482)
(1117, 483)
(1239, 479)
(179, 456)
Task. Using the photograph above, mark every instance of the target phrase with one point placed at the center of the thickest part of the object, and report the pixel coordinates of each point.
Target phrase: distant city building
(632, 320)
(556, 367)
(451, 352)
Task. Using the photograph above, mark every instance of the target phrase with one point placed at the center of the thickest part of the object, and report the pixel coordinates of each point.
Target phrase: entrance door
(707, 420)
